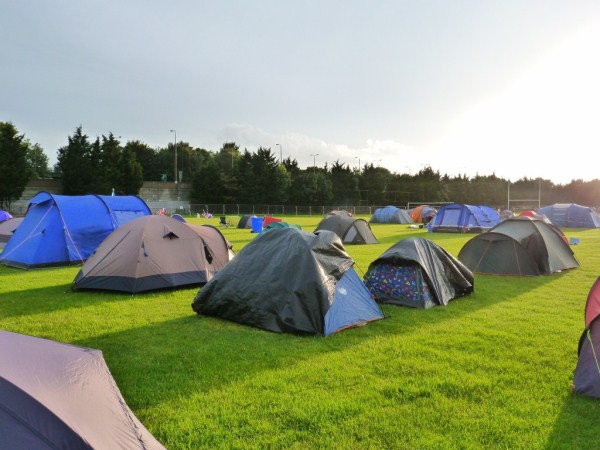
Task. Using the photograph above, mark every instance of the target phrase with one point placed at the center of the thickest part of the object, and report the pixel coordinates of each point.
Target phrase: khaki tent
(155, 252)
(60, 396)
(349, 229)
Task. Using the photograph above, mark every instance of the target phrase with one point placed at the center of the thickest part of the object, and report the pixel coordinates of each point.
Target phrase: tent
(506, 214)
(349, 229)
(4, 215)
(339, 212)
(178, 217)
(246, 221)
(586, 379)
(418, 272)
(154, 252)
(269, 219)
(571, 215)
(275, 225)
(391, 214)
(422, 213)
(519, 246)
(8, 228)
(61, 396)
(290, 281)
(461, 218)
(62, 229)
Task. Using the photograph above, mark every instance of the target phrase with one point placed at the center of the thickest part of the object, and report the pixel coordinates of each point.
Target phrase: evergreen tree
(14, 170)
(75, 164)
(131, 173)
(37, 161)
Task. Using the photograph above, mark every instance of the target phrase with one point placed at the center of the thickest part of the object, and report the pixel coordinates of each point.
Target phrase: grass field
(491, 370)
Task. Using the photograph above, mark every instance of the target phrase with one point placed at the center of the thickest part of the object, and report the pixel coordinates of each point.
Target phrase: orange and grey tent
(155, 252)
(55, 395)
(586, 380)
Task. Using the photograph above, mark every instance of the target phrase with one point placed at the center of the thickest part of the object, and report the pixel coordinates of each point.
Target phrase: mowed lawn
(491, 370)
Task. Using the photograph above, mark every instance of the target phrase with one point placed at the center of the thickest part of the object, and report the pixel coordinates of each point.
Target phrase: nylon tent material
(571, 215)
(418, 272)
(5, 215)
(55, 395)
(290, 281)
(8, 228)
(339, 212)
(245, 221)
(62, 230)
(519, 246)
(422, 214)
(275, 225)
(349, 229)
(461, 218)
(586, 378)
(154, 252)
(391, 214)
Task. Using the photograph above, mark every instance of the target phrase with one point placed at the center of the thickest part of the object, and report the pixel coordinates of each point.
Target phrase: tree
(14, 170)
(110, 158)
(344, 183)
(37, 161)
(147, 157)
(207, 184)
(76, 164)
(131, 173)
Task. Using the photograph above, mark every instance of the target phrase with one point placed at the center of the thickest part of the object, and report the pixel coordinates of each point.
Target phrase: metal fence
(274, 210)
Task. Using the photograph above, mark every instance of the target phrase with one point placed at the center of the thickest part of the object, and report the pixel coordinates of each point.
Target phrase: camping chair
(224, 222)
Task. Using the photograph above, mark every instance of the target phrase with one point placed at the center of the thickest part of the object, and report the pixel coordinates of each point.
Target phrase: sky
(481, 87)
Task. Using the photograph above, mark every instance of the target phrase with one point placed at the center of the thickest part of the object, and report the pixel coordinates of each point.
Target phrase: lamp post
(280, 153)
(358, 157)
(173, 131)
(315, 159)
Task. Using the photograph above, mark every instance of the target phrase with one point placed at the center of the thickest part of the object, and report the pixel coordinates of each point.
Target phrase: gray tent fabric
(519, 246)
(155, 252)
(7, 228)
(245, 221)
(446, 277)
(288, 281)
(61, 396)
(349, 229)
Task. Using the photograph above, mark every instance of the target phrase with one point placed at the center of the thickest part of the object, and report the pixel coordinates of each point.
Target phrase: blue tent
(461, 218)
(4, 215)
(391, 214)
(62, 229)
(571, 215)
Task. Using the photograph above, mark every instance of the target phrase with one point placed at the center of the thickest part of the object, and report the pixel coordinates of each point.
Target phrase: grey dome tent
(339, 212)
(61, 396)
(349, 229)
(519, 246)
(391, 214)
(418, 272)
(571, 215)
(155, 252)
(245, 221)
(586, 379)
(290, 281)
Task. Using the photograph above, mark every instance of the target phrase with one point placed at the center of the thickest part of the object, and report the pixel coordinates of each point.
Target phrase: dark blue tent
(62, 229)
(571, 215)
(4, 215)
(461, 218)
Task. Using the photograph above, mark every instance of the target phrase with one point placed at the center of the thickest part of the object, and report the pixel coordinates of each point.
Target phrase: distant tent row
(519, 246)
(155, 252)
(391, 214)
(571, 215)
(61, 396)
(461, 218)
(61, 229)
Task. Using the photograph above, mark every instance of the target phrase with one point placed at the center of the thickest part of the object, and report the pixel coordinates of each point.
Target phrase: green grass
(492, 370)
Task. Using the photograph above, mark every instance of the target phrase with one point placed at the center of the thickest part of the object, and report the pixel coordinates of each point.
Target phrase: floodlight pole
(280, 153)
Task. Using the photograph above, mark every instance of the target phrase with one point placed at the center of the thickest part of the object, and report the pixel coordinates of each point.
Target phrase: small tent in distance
(571, 215)
(391, 214)
(5, 215)
(586, 379)
(349, 229)
(290, 281)
(154, 252)
(245, 221)
(55, 395)
(519, 246)
(62, 229)
(422, 213)
(418, 272)
(339, 212)
(461, 218)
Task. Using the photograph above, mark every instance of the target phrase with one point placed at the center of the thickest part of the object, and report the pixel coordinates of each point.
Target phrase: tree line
(231, 175)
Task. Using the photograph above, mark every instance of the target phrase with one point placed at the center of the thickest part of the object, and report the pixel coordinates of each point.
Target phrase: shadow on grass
(577, 423)
(160, 362)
